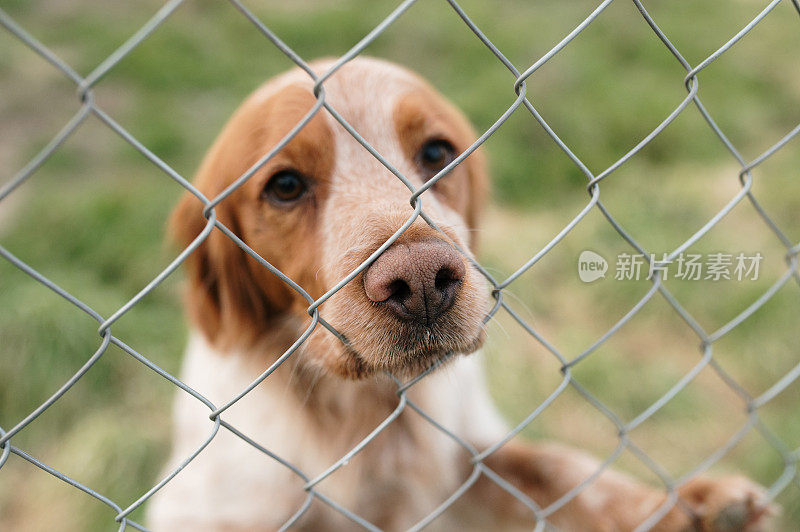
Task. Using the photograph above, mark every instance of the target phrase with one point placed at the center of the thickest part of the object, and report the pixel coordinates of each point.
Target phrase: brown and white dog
(318, 209)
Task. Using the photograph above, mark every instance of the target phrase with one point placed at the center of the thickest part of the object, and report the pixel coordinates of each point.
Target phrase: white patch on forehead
(365, 95)
(365, 92)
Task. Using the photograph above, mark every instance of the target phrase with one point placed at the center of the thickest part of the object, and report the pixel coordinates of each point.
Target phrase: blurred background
(92, 220)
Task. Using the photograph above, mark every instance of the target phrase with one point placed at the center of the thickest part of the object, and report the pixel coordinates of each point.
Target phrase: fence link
(522, 104)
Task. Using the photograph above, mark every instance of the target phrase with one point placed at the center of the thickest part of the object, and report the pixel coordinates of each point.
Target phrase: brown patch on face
(231, 297)
(422, 115)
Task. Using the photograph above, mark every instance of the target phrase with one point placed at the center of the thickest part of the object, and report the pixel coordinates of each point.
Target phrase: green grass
(92, 218)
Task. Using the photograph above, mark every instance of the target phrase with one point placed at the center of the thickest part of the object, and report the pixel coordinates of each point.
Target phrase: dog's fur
(331, 394)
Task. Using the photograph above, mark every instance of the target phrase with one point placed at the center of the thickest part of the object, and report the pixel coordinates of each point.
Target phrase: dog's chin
(409, 356)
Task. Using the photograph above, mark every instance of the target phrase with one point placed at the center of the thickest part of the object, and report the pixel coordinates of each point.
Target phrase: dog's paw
(727, 504)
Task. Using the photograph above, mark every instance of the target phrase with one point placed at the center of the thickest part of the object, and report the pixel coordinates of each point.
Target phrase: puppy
(319, 208)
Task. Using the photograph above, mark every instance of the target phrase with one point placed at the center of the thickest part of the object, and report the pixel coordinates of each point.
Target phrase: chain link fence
(517, 77)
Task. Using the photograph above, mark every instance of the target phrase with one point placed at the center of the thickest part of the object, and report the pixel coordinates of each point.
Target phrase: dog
(316, 210)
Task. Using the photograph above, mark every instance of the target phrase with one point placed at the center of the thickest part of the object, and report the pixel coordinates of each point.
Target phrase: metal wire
(750, 405)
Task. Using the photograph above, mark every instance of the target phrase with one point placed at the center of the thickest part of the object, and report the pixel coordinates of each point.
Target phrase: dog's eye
(284, 187)
(435, 155)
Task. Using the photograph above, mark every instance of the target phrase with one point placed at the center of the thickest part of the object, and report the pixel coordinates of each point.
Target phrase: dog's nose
(418, 280)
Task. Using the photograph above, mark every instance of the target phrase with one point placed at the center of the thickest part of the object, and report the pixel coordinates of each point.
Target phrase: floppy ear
(202, 293)
(478, 190)
(223, 299)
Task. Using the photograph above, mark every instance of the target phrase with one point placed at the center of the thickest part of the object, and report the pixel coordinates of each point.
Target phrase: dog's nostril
(399, 290)
(445, 279)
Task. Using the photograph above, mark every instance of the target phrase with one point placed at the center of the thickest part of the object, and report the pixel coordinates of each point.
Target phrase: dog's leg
(613, 501)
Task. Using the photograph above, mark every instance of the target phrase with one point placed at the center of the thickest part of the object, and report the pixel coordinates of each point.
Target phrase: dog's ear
(223, 294)
(478, 190)
(223, 297)
(203, 291)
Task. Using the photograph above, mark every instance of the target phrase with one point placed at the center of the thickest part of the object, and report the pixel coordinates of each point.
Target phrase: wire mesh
(517, 80)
